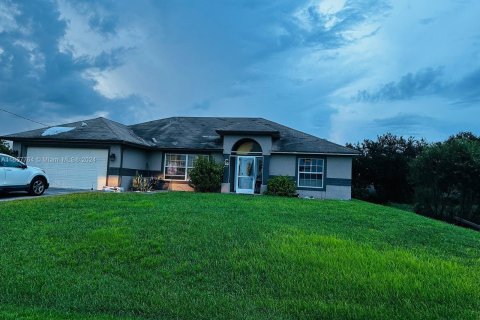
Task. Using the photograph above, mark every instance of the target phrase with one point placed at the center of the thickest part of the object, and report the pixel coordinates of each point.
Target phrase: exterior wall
(116, 149)
(225, 187)
(175, 186)
(337, 175)
(115, 180)
(339, 178)
(312, 194)
(339, 192)
(155, 161)
(339, 167)
(134, 159)
(218, 157)
(283, 165)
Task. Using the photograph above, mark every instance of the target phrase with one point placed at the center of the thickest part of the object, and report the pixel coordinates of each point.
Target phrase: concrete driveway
(50, 192)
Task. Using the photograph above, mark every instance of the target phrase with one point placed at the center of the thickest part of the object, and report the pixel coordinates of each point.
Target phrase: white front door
(245, 175)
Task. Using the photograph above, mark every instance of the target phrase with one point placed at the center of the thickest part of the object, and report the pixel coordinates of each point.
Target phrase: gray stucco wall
(117, 150)
(217, 157)
(283, 165)
(337, 180)
(134, 159)
(339, 167)
(155, 161)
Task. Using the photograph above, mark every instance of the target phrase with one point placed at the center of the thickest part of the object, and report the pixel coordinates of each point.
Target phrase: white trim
(322, 173)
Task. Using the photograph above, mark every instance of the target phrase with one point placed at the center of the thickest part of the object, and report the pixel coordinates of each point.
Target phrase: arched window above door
(246, 147)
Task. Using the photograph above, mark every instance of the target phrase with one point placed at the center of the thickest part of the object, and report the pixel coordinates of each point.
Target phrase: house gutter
(317, 153)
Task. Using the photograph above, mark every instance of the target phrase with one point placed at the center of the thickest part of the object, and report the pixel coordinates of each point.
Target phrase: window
(10, 162)
(178, 166)
(246, 147)
(310, 172)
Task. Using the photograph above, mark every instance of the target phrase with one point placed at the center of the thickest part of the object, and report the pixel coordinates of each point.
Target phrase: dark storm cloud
(424, 82)
(38, 79)
(404, 120)
(427, 82)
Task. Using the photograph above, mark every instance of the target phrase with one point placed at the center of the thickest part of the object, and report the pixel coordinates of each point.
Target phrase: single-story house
(99, 152)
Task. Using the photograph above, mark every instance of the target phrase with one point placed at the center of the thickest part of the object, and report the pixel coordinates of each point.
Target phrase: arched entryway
(248, 166)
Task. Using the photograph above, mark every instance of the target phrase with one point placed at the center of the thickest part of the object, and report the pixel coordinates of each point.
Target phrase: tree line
(4, 147)
(440, 180)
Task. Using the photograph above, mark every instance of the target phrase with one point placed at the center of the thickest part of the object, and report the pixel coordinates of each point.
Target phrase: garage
(76, 168)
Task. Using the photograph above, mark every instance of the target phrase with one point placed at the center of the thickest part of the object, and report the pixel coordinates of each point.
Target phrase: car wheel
(37, 187)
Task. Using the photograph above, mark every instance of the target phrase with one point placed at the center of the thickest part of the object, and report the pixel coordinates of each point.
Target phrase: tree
(4, 147)
(445, 177)
(206, 175)
(380, 173)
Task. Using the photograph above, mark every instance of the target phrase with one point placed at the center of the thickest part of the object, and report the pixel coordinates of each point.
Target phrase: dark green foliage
(5, 148)
(380, 173)
(206, 176)
(447, 179)
(181, 255)
(144, 184)
(281, 186)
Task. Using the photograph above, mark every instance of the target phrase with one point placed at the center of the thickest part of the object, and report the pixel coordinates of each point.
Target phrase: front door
(245, 175)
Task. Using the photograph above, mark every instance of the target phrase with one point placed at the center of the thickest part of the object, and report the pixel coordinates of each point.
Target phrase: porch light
(112, 157)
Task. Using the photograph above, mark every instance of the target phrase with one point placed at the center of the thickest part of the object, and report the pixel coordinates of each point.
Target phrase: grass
(208, 256)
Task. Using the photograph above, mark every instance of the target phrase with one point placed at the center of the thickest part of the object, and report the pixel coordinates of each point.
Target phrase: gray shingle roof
(254, 126)
(98, 129)
(202, 133)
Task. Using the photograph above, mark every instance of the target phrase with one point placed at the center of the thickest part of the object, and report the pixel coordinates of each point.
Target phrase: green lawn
(207, 256)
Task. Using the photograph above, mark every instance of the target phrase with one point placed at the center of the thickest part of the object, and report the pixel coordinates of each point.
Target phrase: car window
(2, 161)
(10, 162)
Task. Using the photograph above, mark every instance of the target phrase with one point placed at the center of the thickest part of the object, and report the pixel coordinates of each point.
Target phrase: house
(94, 153)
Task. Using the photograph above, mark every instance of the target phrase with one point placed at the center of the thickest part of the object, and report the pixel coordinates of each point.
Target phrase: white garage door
(76, 168)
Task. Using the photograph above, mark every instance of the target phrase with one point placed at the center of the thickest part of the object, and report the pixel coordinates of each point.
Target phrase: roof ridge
(194, 117)
(108, 125)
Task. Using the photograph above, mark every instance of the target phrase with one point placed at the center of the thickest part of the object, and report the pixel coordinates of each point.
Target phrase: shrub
(206, 176)
(140, 183)
(281, 186)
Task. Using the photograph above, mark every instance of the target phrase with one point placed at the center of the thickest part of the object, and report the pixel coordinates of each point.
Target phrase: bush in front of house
(144, 184)
(281, 186)
(206, 175)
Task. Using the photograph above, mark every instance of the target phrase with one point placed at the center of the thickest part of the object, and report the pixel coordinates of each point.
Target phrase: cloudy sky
(342, 70)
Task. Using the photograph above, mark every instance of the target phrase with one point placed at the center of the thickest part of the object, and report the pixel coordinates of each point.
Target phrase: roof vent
(84, 124)
(154, 140)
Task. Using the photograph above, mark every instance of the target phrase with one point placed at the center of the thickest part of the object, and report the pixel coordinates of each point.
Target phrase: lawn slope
(206, 256)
